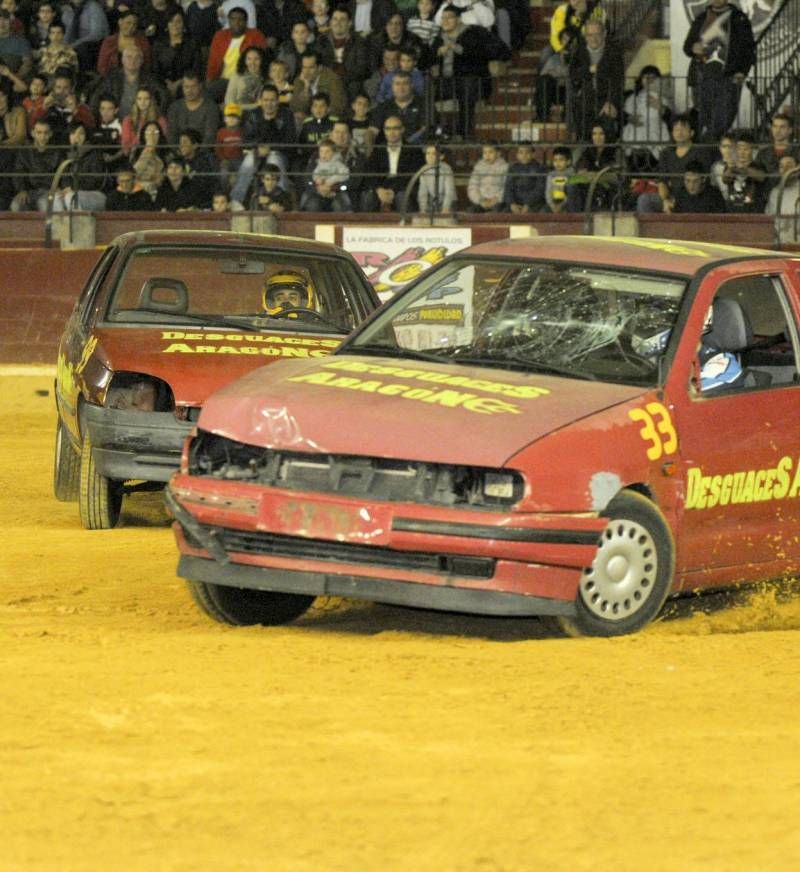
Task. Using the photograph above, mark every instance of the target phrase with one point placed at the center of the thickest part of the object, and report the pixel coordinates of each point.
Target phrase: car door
(739, 452)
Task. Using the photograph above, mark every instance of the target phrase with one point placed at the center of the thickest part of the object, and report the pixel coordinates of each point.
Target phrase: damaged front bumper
(130, 445)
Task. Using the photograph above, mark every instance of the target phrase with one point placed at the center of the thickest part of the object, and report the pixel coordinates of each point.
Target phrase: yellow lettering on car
(762, 485)
(657, 429)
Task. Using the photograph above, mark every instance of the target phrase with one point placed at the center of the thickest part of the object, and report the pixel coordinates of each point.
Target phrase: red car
(166, 318)
(575, 428)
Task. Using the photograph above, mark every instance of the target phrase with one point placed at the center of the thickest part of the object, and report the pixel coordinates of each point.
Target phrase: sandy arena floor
(138, 734)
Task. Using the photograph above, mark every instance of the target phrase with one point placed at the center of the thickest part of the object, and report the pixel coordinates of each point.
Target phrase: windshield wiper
(379, 350)
(260, 321)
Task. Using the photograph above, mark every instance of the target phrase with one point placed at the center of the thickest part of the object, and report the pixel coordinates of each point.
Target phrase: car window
(593, 322)
(94, 282)
(175, 285)
(750, 337)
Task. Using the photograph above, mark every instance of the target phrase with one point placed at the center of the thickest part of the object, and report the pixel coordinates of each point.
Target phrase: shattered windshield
(578, 320)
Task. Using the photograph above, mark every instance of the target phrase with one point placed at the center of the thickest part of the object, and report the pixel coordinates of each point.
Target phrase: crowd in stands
(276, 105)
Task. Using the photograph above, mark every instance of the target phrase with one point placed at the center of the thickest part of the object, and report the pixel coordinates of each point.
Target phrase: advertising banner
(393, 256)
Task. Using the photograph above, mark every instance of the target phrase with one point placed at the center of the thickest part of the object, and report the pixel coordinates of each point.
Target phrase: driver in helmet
(286, 290)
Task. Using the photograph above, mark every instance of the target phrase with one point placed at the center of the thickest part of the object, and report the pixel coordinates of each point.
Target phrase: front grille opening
(372, 477)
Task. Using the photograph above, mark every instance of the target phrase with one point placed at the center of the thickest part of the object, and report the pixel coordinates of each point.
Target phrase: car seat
(164, 295)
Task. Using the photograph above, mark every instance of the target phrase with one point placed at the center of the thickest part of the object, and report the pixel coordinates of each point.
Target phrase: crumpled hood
(196, 362)
(385, 407)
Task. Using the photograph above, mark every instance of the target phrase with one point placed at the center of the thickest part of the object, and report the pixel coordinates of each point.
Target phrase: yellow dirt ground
(137, 734)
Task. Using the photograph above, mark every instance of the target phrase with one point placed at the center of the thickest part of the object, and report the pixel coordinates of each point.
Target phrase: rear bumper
(135, 445)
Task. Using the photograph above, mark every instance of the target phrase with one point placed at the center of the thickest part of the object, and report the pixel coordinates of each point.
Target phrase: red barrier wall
(39, 290)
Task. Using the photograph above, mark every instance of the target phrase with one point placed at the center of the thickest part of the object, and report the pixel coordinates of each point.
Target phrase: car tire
(631, 574)
(99, 498)
(66, 468)
(242, 607)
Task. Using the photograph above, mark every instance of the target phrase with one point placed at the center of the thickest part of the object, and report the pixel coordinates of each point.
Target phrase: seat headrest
(730, 327)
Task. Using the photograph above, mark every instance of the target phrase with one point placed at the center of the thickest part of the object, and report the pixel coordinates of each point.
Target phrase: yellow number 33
(656, 429)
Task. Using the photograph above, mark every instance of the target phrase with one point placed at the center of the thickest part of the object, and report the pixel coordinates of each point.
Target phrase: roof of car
(224, 237)
(658, 255)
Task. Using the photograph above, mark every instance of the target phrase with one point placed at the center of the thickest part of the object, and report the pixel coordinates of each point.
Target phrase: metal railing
(777, 65)
(787, 221)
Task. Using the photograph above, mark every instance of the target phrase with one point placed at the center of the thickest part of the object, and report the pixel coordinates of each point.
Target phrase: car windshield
(246, 288)
(578, 320)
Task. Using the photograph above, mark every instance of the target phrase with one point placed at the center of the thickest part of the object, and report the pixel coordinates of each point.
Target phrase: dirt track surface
(137, 734)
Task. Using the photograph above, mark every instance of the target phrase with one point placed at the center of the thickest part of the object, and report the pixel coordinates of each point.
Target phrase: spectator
(277, 18)
(33, 103)
(694, 194)
(360, 124)
(126, 197)
(56, 54)
(390, 64)
(407, 63)
(480, 13)
(154, 16)
(147, 160)
(220, 202)
(769, 157)
(524, 191)
(404, 105)
(487, 181)
(746, 190)
(202, 23)
(177, 192)
(345, 52)
(13, 133)
(574, 14)
(592, 160)
(270, 196)
(389, 170)
(329, 178)
(721, 168)
(423, 24)
(107, 135)
(15, 51)
(320, 21)
(200, 165)
(228, 150)
(124, 81)
(316, 127)
(244, 87)
(87, 27)
(294, 48)
(34, 170)
(722, 48)
(84, 179)
(370, 16)
(247, 5)
(437, 186)
(39, 30)
(353, 159)
(787, 211)
(313, 78)
(272, 124)
(461, 66)
(226, 49)
(127, 35)
(61, 107)
(550, 97)
(176, 54)
(596, 74)
(194, 111)
(393, 35)
(646, 112)
(145, 109)
(672, 163)
(557, 181)
(278, 78)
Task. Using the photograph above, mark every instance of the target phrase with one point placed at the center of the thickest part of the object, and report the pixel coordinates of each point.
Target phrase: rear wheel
(242, 607)
(100, 498)
(66, 467)
(630, 576)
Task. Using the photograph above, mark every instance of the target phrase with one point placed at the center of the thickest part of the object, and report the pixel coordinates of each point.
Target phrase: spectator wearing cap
(15, 51)
(176, 54)
(228, 149)
(244, 86)
(226, 49)
(127, 34)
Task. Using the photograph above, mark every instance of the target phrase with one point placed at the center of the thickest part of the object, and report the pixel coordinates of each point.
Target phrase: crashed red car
(167, 317)
(575, 428)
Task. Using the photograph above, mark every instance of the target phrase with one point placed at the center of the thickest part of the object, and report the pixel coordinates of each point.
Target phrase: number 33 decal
(656, 429)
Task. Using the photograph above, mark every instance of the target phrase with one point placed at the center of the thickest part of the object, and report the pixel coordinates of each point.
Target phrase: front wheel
(631, 574)
(100, 498)
(242, 607)
(66, 467)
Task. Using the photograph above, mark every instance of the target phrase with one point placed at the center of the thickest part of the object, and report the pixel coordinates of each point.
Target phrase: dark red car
(166, 318)
(575, 428)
